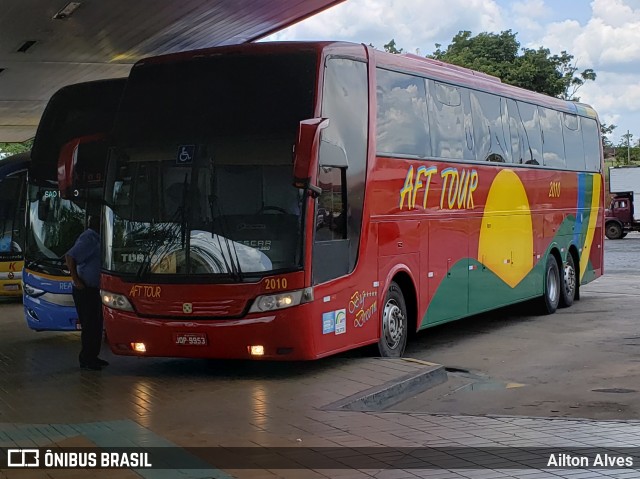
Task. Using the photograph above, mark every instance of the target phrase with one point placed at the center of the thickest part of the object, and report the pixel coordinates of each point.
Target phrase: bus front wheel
(393, 337)
(552, 286)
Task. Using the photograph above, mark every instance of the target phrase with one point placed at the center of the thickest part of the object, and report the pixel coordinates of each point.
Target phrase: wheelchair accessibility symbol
(185, 154)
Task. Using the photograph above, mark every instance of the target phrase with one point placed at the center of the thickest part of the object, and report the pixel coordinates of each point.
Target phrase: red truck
(621, 218)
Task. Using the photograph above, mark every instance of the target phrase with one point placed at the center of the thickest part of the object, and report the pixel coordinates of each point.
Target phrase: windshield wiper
(216, 212)
(169, 231)
(47, 265)
(234, 267)
(185, 233)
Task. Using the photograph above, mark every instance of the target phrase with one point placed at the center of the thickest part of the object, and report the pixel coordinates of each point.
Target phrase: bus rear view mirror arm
(306, 155)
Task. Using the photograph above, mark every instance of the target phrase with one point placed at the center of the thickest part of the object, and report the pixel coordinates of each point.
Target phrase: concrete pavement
(45, 400)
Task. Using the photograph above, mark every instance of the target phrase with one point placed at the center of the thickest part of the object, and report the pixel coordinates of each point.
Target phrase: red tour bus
(291, 201)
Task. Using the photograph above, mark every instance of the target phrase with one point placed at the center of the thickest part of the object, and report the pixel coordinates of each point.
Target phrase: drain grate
(450, 369)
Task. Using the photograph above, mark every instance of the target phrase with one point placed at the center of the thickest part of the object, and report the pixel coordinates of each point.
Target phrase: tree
(499, 54)
(572, 80)
(487, 52)
(391, 47)
(8, 149)
(625, 152)
(606, 130)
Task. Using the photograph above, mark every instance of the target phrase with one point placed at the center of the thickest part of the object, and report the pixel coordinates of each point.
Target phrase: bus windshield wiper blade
(233, 265)
(55, 266)
(184, 215)
(168, 231)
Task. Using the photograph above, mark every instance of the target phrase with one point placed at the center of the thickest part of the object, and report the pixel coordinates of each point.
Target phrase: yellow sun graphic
(506, 235)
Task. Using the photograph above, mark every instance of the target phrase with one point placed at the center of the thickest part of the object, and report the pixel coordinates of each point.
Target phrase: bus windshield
(53, 226)
(11, 217)
(200, 179)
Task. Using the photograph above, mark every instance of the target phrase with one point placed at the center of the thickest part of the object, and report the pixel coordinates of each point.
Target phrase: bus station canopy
(47, 44)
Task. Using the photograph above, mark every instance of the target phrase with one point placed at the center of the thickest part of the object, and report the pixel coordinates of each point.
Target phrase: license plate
(190, 339)
(11, 287)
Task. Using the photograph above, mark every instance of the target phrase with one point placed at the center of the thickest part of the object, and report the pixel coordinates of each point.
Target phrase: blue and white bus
(76, 113)
(13, 188)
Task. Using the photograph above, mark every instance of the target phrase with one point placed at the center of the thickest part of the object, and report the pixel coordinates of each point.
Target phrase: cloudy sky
(600, 34)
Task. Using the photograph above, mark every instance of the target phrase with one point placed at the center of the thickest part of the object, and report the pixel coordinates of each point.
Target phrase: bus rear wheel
(393, 337)
(551, 295)
(569, 283)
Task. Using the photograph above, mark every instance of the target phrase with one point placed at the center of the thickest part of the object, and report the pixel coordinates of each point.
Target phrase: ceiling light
(66, 12)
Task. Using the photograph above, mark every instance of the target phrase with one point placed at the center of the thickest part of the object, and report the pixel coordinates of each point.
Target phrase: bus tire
(613, 230)
(394, 325)
(569, 281)
(552, 286)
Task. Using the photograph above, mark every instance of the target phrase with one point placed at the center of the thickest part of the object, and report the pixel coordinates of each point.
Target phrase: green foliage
(625, 152)
(572, 79)
(487, 52)
(624, 156)
(605, 131)
(391, 47)
(499, 54)
(8, 149)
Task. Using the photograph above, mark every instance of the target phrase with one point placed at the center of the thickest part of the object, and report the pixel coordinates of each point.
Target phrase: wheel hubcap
(569, 280)
(552, 286)
(392, 324)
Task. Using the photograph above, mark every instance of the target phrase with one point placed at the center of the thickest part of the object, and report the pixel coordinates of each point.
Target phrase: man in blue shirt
(83, 261)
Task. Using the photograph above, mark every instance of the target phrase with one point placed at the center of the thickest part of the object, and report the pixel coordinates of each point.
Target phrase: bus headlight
(31, 291)
(272, 302)
(115, 301)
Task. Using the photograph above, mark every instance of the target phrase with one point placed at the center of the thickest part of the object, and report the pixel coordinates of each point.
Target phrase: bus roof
(408, 63)
(261, 48)
(73, 111)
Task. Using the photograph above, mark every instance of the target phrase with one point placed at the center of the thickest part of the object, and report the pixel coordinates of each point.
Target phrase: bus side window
(552, 139)
(402, 125)
(520, 149)
(330, 217)
(343, 143)
(490, 144)
(591, 143)
(531, 123)
(449, 135)
(573, 146)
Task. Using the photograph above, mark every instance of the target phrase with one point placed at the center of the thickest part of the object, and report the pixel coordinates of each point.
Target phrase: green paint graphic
(487, 291)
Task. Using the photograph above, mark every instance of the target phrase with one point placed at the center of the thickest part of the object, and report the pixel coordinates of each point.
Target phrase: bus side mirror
(66, 167)
(306, 156)
(81, 164)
